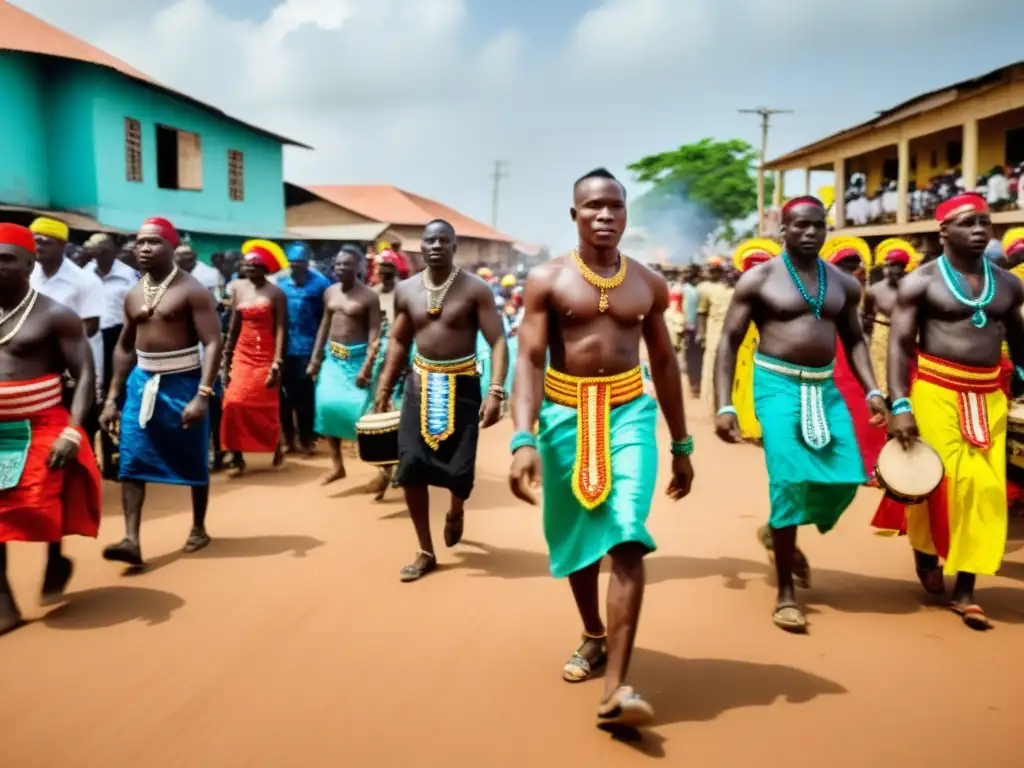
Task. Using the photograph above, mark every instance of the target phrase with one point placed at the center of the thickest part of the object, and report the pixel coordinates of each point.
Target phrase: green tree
(699, 189)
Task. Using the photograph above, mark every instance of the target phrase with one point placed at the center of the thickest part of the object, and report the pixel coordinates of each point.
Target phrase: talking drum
(1015, 443)
(377, 438)
(909, 475)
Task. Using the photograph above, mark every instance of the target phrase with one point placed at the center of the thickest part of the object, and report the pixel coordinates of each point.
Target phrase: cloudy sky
(427, 94)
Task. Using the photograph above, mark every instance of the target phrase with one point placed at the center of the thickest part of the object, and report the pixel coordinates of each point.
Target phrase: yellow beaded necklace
(604, 284)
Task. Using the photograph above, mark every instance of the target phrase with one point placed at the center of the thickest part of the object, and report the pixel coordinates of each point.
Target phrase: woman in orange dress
(255, 348)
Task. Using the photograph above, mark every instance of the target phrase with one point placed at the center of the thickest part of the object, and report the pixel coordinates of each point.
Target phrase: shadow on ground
(839, 590)
(111, 606)
(237, 547)
(699, 690)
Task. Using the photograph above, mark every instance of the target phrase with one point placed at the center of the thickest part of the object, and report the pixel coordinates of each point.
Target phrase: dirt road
(290, 641)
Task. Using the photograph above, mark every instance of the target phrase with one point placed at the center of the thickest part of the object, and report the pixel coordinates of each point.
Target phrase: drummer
(960, 306)
(896, 257)
(343, 357)
(442, 311)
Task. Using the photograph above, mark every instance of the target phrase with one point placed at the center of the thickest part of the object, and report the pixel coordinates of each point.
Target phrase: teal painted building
(92, 137)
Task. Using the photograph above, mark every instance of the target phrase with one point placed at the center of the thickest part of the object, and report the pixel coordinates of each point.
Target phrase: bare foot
(381, 487)
(338, 473)
(55, 581)
(10, 616)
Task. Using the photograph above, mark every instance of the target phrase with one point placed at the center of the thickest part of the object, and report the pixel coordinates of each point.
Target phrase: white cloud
(412, 93)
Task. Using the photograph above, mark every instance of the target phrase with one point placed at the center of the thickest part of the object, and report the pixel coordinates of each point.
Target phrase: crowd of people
(1000, 186)
(784, 347)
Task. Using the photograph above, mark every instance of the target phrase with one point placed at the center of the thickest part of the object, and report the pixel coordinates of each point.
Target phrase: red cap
(802, 200)
(17, 235)
(754, 258)
(844, 253)
(164, 228)
(897, 256)
(969, 202)
(260, 256)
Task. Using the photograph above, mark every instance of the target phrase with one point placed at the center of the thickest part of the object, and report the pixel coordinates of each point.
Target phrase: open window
(179, 159)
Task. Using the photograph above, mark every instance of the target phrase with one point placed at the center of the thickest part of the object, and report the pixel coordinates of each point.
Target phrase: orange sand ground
(290, 641)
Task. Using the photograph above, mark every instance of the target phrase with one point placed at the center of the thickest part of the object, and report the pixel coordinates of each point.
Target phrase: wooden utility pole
(766, 116)
(499, 174)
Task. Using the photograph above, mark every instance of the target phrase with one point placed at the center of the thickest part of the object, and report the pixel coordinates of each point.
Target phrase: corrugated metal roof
(73, 220)
(342, 232)
(23, 32)
(890, 115)
(391, 204)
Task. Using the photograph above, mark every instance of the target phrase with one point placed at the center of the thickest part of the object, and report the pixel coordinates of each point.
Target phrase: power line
(497, 176)
(766, 116)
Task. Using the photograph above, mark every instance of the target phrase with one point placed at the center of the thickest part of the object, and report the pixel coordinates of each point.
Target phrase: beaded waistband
(345, 351)
(565, 390)
(24, 398)
(792, 370)
(464, 366)
(178, 361)
(962, 378)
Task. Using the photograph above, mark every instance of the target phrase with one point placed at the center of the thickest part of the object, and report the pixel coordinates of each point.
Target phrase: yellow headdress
(750, 253)
(485, 273)
(508, 281)
(1013, 241)
(48, 227)
(382, 246)
(266, 253)
(839, 248)
(896, 250)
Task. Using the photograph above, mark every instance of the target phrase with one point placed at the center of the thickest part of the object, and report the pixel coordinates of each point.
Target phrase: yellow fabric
(713, 300)
(743, 387)
(47, 227)
(880, 352)
(508, 281)
(976, 482)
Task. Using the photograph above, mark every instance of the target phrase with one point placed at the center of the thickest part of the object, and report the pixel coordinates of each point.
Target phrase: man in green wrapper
(800, 304)
(595, 448)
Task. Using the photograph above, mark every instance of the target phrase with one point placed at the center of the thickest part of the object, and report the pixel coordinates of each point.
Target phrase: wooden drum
(910, 475)
(1015, 443)
(377, 438)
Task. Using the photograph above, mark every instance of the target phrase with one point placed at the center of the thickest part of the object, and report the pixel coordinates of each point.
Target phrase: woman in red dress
(253, 353)
(852, 255)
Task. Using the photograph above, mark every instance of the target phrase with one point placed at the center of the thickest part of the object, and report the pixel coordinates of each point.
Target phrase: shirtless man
(163, 387)
(442, 310)
(800, 305)
(880, 301)
(954, 314)
(49, 481)
(589, 310)
(349, 337)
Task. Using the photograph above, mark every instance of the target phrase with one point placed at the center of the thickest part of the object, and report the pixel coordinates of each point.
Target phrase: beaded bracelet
(901, 406)
(522, 440)
(205, 391)
(683, 447)
(727, 409)
(71, 434)
(874, 393)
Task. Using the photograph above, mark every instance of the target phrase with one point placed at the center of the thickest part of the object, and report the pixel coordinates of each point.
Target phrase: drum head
(1016, 415)
(379, 420)
(914, 472)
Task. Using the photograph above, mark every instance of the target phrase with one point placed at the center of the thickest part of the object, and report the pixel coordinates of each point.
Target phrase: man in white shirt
(117, 279)
(63, 281)
(186, 260)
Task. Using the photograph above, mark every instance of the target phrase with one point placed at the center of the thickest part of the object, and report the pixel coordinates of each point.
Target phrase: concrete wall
(124, 203)
(62, 144)
(23, 161)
